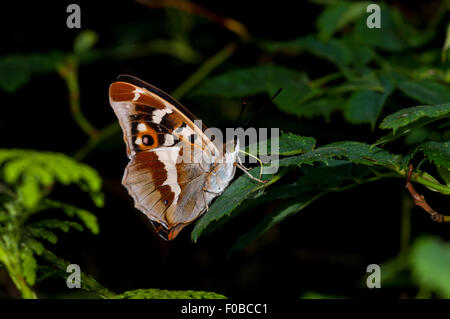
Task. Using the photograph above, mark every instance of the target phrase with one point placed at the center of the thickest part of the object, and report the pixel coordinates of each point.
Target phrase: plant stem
(14, 272)
(103, 134)
(443, 189)
(19, 282)
(405, 231)
(69, 72)
(204, 70)
(325, 79)
(228, 23)
(88, 283)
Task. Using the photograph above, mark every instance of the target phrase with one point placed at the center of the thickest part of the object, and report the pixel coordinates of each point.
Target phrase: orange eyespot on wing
(144, 136)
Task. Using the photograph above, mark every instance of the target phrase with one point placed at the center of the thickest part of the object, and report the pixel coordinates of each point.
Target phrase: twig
(204, 70)
(192, 8)
(420, 201)
(69, 72)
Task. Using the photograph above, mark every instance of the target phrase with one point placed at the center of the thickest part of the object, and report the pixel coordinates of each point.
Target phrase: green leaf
(444, 173)
(13, 73)
(388, 37)
(168, 294)
(361, 56)
(425, 91)
(319, 177)
(366, 82)
(253, 80)
(330, 176)
(17, 69)
(272, 219)
(355, 152)
(437, 152)
(334, 50)
(365, 106)
(295, 89)
(412, 115)
(407, 129)
(63, 225)
(31, 171)
(29, 192)
(89, 220)
(337, 16)
(37, 247)
(289, 144)
(85, 41)
(324, 107)
(262, 197)
(231, 198)
(44, 234)
(430, 258)
(244, 187)
(417, 136)
(29, 265)
(88, 283)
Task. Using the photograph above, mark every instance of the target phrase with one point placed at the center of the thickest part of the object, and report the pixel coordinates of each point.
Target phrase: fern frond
(30, 172)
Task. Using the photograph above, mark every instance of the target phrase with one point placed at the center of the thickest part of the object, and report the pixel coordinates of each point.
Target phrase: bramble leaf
(337, 16)
(334, 50)
(365, 106)
(288, 144)
(425, 91)
(406, 120)
(245, 82)
(437, 152)
(231, 198)
(355, 152)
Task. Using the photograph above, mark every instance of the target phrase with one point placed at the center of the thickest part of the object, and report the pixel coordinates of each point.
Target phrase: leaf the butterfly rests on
(175, 170)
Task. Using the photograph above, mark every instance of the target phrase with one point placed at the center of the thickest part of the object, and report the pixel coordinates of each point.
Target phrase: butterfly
(175, 169)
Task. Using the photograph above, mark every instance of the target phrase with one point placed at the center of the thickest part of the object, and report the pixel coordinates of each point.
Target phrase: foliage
(430, 259)
(392, 81)
(168, 294)
(28, 178)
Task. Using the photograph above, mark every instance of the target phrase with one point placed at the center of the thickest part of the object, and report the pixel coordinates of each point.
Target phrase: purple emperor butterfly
(175, 170)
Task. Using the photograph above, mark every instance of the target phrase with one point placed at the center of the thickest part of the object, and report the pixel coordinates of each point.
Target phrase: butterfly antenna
(263, 108)
(244, 105)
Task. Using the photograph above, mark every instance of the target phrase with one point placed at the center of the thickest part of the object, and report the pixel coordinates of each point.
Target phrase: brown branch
(420, 201)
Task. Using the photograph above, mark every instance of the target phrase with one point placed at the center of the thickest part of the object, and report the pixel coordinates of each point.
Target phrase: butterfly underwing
(175, 170)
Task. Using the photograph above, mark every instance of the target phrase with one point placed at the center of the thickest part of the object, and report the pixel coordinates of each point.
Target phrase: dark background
(326, 248)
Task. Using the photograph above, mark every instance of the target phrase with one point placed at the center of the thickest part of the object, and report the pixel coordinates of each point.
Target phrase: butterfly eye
(147, 140)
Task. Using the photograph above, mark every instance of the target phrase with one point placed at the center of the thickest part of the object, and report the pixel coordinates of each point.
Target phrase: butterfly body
(175, 170)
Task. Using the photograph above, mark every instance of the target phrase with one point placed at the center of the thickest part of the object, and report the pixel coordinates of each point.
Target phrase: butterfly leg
(204, 198)
(245, 169)
(249, 175)
(208, 191)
